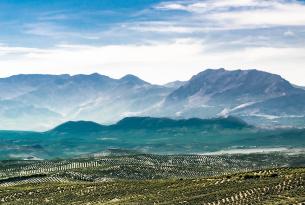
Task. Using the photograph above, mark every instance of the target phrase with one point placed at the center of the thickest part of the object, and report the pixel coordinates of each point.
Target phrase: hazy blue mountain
(145, 134)
(236, 87)
(64, 93)
(239, 92)
(19, 115)
(39, 102)
(80, 97)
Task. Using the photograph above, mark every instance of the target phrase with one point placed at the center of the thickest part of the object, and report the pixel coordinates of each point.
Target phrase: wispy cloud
(237, 14)
(201, 6)
(278, 14)
(53, 30)
(163, 27)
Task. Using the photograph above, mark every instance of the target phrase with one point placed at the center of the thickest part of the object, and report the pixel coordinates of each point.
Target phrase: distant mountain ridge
(130, 123)
(39, 102)
(146, 135)
(157, 123)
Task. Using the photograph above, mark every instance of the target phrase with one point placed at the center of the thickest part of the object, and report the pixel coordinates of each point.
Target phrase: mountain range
(39, 102)
(148, 135)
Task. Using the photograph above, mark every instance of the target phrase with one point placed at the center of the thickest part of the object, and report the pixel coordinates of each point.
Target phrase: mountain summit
(238, 86)
(133, 80)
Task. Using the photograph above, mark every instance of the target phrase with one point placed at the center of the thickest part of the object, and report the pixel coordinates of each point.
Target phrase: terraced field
(156, 179)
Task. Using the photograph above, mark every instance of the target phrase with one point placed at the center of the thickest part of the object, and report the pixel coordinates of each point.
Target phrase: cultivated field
(156, 179)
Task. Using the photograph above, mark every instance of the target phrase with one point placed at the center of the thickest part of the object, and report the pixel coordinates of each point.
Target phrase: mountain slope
(284, 106)
(239, 92)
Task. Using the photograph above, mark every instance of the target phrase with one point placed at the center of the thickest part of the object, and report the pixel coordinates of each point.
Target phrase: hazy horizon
(157, 40)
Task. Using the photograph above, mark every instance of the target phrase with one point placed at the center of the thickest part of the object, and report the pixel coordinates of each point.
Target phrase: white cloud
(289, 33)
(154, 62)
(163, 27)
(201, 6)
(171, 6)
(52, 30)
(210, 5)
(236, 14)
(277, 15)
(238, 3)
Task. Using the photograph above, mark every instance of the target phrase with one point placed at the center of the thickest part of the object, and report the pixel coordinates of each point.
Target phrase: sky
(157, 40)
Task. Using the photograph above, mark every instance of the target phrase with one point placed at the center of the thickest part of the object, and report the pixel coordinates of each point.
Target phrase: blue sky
(157, 40)
(29, 22)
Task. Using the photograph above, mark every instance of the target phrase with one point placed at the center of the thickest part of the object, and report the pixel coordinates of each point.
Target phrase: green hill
(160, 123)
(146, 134)
(78, 127)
